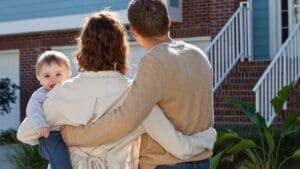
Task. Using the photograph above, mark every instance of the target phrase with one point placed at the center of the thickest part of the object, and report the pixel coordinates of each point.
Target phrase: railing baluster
(284, 68)
(228, 46)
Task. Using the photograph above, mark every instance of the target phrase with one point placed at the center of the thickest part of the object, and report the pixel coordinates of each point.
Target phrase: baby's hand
(44, 132)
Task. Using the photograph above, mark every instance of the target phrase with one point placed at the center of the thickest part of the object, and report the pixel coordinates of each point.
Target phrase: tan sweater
(176, 76)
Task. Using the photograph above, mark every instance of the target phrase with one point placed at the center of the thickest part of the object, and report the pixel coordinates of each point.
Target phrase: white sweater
(85, 98)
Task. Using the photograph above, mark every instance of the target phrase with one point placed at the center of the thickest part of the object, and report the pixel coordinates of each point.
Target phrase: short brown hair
(48, 57)
(102, 44)
(148, 17)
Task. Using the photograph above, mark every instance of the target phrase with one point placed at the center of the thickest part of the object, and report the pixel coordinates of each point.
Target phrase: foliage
(8, 137)
(262, 153)
(22, 156)
(7, 95)
(25, 156)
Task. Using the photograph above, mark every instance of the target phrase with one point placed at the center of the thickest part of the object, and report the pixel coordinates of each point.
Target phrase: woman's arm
(181, 146)
(26, 133)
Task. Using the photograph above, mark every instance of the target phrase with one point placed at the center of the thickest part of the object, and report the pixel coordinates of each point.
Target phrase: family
(99, 119)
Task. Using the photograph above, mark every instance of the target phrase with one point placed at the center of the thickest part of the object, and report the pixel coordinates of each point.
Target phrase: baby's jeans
(55, 151)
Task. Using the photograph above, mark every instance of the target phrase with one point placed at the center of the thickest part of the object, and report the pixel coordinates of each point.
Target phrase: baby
(52, 67)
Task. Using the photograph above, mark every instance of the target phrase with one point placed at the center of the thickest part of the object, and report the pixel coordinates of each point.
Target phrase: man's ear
(133, 32)
(170, 21)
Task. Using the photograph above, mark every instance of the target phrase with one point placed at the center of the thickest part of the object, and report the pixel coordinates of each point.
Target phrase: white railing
(284, 69)
(232, 43)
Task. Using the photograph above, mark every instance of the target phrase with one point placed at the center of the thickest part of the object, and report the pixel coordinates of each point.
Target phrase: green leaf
(281, 97)
(247, 164)
(289, 126)
(250, 111)
(297, 154)
(214, 161)
(226, 137)
(244, 144)
(270, 140)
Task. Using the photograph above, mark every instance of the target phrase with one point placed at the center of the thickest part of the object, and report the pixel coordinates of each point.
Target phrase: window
(296, 11)
(174, 3)
(284, 20)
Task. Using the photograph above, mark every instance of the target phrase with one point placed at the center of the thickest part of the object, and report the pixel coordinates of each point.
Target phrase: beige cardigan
(85, 98)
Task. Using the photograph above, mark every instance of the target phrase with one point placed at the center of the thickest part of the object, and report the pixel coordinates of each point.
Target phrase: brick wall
(204, 17)
(238, 85)
(195, 17)
(221, 11)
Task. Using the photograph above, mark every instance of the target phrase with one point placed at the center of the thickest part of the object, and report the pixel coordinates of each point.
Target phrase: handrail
(231, 44)
(284, 68)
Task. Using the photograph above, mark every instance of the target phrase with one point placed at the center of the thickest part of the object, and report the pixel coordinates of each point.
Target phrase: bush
(8, 137)
(264, 152)
(231, 161)
(26, 157)
(7, 95)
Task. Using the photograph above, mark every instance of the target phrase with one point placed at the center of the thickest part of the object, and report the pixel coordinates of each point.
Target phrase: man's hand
(64, 133)
(44, 132)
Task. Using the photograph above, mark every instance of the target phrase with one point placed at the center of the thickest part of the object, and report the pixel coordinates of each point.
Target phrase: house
(241, 40)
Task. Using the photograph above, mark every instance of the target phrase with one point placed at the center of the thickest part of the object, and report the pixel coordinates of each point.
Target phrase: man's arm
(146, 91)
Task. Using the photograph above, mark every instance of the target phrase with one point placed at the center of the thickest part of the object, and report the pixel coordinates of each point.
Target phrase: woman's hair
(48, 57)
(102, 44)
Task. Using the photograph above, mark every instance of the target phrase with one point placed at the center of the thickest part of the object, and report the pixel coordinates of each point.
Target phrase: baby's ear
(38, 77)
(70, 73)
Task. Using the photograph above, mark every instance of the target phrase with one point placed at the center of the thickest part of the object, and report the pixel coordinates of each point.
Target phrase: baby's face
(52, 74)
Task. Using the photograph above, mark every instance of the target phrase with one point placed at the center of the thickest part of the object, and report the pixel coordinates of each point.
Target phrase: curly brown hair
(102, 44)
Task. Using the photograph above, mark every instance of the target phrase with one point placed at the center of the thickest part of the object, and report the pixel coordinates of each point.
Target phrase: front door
(294, 13)
(284, 15)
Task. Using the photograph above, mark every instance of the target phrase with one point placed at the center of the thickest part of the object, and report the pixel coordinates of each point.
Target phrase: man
(175, 75)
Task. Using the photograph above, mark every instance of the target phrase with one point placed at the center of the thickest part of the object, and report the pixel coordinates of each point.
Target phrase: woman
(101, 85)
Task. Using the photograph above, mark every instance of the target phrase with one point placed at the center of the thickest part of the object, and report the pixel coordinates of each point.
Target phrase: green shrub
(7, 95)
(264, 152)
(8, 137)
(26, 157)
(21, 156)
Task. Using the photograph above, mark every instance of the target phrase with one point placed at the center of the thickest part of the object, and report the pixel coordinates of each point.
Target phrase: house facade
(30, 27)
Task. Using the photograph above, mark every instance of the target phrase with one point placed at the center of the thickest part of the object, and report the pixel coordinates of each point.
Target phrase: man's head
(149, 18)
(52, 67)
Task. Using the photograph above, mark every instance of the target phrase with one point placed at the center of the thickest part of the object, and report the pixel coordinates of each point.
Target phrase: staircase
(231, 44)
(238, 85)
(284, 68)
(256, 82)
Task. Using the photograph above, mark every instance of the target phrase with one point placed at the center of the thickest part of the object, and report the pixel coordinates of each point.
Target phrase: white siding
(10, 67)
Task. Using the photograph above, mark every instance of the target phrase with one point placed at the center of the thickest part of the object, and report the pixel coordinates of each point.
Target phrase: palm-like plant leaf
(250, 111)
(26, 157)
(270, 140)
(281, 97)
(290, 126)
(296, 154)
(215, 160)
(244, 144)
